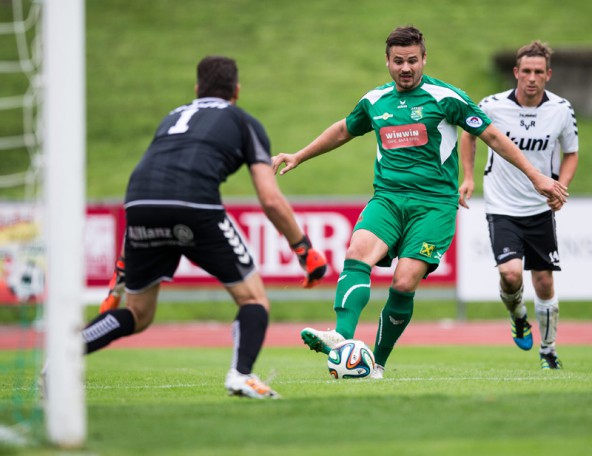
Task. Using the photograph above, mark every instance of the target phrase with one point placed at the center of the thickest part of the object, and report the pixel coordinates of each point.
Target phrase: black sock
(108, 327)
(248, 332)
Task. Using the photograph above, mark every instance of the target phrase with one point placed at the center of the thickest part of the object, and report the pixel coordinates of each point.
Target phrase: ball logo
(474, 121)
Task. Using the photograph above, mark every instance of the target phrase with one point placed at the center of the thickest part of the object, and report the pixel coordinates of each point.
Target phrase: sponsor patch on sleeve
(474, 121)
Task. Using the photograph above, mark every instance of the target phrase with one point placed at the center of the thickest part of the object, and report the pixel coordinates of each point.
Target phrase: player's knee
(511, 280)
(353, 252)
(365, 247)
(543, 284)
(545, 290)
(404, 283)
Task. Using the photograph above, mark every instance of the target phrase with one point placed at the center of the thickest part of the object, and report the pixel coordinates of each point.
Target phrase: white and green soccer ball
(350, 359)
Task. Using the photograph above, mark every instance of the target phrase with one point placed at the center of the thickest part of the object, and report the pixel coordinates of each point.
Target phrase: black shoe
(550, 361)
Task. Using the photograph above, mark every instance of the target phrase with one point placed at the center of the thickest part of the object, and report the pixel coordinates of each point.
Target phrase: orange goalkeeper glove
(312, 261)
(116, 288)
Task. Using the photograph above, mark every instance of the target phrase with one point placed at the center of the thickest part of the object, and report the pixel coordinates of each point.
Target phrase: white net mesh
(21, 249)
(20, 65)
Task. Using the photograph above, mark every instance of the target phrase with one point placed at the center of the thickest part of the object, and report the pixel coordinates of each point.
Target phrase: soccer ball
(350, 359)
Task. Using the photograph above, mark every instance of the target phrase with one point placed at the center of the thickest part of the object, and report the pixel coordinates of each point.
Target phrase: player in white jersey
(521, 221)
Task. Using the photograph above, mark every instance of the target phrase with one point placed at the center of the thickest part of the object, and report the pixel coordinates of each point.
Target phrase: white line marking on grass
(108, 387)
(278, 381)
(490, 379)
(432, 379)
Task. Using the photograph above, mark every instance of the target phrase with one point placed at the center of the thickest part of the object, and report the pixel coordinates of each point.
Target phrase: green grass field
(445, 400)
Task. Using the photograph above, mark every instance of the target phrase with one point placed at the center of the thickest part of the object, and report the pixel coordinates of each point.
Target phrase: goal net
(42, 199)
(21, 250)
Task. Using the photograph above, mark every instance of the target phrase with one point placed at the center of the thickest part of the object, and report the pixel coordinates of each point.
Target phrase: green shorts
(411, 228)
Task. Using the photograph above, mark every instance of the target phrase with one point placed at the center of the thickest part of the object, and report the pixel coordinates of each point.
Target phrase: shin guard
(547, 313)
(514, 302)
(351, 296)
(107, 327)
(248, 334)
(395, 317)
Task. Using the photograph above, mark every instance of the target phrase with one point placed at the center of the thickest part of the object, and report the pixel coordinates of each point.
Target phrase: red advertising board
(329, 225)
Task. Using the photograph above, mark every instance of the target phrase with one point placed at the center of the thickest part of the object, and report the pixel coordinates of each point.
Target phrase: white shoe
(377, 372)
(321, 341)
(248, 385)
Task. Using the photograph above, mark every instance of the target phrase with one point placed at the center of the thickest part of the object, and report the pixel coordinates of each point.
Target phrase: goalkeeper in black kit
(174, 208)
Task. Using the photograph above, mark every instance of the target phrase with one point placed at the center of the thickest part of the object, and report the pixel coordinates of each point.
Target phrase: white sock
(514, 302)
(547, 313)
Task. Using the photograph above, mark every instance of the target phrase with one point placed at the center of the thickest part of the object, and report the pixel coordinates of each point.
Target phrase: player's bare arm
(569, 164)
(273, 202)
(567, 171)
(468, 148)
(332, 138)
(553, 190)
(279, 211)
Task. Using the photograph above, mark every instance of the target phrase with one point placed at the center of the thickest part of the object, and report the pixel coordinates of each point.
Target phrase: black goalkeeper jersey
(196, 147)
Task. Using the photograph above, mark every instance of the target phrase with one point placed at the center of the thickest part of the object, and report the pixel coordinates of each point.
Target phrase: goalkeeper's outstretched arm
(279, 211)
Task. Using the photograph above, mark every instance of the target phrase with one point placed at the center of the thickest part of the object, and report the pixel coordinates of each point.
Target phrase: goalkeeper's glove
(116, 288)
(312, 261)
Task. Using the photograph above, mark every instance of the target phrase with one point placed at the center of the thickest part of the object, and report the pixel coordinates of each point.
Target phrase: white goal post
(64, 154)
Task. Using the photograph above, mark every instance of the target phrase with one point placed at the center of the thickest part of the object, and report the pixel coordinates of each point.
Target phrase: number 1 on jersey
(182, 124)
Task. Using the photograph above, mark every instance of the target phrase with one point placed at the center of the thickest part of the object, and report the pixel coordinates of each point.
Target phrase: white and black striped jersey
(542, 133)
(195, 148)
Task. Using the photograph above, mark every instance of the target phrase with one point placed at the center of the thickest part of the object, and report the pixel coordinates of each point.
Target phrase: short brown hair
(535, 49)
(405, 36)
(217, 76)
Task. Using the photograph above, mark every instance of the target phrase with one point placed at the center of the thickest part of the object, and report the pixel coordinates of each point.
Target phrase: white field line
(278, 381)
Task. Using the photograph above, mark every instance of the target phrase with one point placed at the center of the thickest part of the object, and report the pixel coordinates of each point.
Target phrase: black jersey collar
(512, 97)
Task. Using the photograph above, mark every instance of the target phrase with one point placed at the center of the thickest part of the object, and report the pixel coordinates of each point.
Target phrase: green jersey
(416, 132)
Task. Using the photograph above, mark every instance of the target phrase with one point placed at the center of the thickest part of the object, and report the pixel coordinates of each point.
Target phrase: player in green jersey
(412, 215)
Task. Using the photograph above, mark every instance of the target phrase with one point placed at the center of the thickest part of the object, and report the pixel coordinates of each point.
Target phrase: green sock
(351, 296)
(394, 318)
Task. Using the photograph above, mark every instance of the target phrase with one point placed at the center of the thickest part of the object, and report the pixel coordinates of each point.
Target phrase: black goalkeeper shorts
(157, 236)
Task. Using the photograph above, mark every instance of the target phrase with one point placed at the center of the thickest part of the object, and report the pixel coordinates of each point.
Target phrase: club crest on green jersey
(417, 112)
